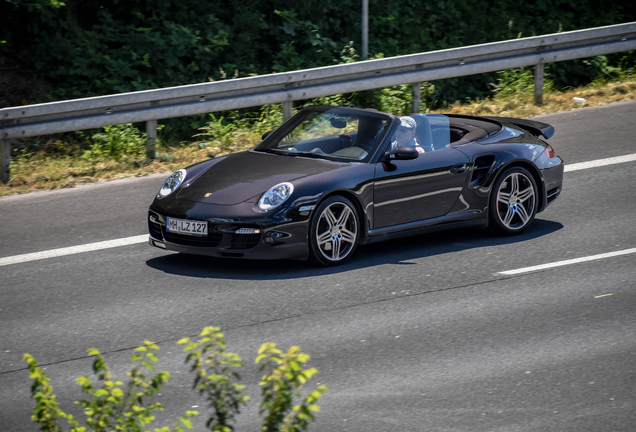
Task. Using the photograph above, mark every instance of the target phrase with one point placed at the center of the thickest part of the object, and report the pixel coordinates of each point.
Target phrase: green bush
(519, 82)
(117, 142)
(218, 132)
(115, 405)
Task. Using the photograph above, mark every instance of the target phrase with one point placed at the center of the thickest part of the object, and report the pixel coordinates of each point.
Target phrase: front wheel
(513, 202)
(334, 232)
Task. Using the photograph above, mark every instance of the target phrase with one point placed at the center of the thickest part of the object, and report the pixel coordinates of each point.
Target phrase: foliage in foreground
(114, 405)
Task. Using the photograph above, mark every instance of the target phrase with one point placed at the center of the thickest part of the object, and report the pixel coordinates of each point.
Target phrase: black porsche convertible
(332, 178)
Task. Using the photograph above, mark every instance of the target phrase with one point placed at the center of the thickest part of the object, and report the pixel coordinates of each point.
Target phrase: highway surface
(455, 331)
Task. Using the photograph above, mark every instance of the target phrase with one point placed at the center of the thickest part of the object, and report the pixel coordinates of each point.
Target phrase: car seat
(368, 129)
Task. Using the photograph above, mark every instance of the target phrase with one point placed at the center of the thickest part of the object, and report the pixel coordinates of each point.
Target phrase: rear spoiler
(534, 127)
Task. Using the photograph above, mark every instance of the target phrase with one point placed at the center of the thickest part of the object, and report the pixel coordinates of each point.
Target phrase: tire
(334, 232)
(513, 202)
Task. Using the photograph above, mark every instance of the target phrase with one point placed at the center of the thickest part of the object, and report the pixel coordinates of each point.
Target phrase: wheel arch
(355, 200)
(533, 170)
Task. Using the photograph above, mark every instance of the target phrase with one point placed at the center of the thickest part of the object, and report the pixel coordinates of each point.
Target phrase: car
(332, 178)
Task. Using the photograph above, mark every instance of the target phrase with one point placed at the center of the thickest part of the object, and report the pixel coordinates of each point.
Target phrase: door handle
(458, 169)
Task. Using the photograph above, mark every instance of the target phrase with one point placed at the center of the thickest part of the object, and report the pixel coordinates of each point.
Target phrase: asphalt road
(418, 334)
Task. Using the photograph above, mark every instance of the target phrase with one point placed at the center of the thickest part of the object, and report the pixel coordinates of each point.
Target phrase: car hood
(241, 176)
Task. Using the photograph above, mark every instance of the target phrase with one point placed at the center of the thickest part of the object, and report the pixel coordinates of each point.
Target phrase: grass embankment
(55, 164)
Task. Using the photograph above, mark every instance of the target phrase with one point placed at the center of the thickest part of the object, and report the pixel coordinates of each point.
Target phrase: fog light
(156, 218)
(268, 240)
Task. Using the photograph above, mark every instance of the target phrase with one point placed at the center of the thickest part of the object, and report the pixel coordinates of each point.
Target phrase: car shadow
(400, 251)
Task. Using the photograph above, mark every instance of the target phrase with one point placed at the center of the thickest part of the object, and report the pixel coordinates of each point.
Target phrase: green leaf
(266, 346)
(83, 380)
(151, 345)
(303, 358)
(209, 330)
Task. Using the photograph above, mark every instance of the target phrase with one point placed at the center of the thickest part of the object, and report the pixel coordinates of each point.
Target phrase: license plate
(183, 226)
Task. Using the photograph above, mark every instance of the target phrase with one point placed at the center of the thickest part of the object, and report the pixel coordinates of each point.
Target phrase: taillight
(549, 151)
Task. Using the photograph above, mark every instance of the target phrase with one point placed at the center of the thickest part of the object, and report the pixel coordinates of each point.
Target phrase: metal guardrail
(151, 105)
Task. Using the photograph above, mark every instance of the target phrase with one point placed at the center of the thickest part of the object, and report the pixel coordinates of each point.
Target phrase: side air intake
(482, 167)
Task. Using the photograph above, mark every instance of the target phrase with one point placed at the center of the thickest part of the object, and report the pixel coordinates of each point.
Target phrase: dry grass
(50, 172)
(30, 174)
(524, 106)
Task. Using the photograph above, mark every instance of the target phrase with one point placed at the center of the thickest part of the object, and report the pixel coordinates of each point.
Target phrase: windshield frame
(272, 141)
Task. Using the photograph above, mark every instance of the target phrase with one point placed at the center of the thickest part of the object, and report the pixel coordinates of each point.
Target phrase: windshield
(336, 133)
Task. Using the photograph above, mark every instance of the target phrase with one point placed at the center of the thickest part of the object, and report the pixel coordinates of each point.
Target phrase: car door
(414, 190)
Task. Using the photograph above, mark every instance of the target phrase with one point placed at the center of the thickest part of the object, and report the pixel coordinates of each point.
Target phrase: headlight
(172, 183)
(275, 196)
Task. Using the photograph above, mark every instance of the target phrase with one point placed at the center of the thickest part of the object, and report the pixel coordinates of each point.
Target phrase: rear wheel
(334, 232)
(513, 202)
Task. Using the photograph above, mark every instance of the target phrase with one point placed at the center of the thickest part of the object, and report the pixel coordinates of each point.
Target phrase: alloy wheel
(516, 201)
(336, 232)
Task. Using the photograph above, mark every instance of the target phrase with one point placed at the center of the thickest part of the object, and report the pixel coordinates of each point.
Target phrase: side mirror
(402, 153)
(338, 123)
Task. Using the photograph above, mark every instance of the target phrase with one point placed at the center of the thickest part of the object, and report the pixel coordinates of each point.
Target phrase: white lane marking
(73, 250)
(600, 162)
(566, 262)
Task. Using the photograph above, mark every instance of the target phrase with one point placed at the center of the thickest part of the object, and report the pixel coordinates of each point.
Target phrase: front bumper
(261, 242)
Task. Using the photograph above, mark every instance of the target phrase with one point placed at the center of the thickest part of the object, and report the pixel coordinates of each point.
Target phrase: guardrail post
(365, 29)
(288, 109)
(417, 97)
(5, 160)
(151, 143)
(538, 83)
